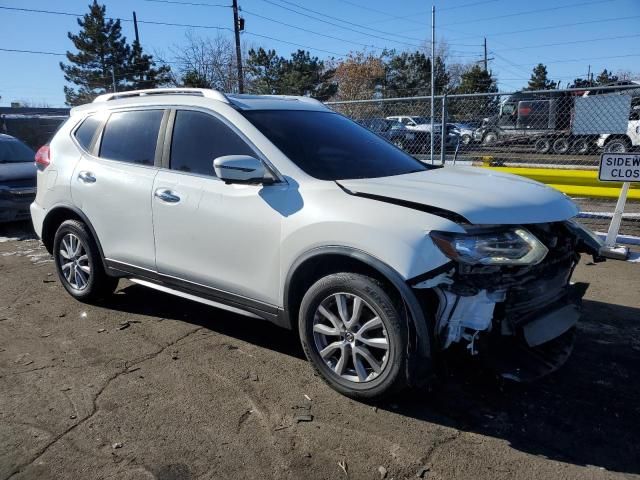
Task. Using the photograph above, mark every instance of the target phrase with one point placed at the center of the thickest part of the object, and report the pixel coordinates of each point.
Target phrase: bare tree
(208, 62)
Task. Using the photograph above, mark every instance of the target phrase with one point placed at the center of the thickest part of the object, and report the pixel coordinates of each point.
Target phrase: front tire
(617, 145)
(78, 263)
(354, 335)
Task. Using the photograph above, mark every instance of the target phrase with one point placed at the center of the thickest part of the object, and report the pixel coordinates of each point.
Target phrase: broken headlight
(514, 246)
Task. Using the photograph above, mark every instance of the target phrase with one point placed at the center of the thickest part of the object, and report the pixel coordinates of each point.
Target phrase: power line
(193, 4)
(390, 15)
(170, 24)
(465, 5)
(347, 21)
(342, 26)
(15, 50)
(586, 59)
(572, 42)
(244, 10)
(551, 27)
(528, 12)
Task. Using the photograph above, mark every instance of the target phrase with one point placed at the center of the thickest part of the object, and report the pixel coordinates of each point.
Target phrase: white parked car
(415, 122)
(278, 208)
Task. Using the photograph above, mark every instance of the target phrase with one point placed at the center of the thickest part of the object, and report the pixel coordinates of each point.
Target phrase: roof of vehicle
(201, 97)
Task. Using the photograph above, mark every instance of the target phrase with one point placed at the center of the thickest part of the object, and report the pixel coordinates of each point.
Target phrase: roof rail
(202, 92)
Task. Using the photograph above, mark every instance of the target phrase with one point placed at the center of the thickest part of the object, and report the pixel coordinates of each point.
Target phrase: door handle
(86, 177)
(166, 195)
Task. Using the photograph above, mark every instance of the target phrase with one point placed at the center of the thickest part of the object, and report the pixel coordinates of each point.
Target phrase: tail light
(43, 158)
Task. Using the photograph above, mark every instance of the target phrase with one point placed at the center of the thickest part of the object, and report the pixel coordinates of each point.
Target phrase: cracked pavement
(148, 386)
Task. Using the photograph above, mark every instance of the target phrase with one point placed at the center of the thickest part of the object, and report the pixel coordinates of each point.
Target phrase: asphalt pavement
(149, 386)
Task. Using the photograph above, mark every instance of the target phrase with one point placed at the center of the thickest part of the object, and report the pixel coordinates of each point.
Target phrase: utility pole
(236, 29)
(135, 27)
(589, 75)
(486, 68)
(433, 80)
(113, 79)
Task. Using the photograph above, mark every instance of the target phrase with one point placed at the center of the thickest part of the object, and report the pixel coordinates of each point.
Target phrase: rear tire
(561, 146)
(542, 145)
(581, 146)
(360, 351)
(79, 264)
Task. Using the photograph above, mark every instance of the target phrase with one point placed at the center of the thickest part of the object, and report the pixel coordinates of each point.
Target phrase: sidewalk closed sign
(619, 167)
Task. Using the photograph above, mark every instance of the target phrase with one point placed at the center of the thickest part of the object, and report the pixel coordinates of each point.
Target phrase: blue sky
(566, 35)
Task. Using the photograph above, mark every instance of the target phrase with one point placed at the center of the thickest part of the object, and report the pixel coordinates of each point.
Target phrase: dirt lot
(183, 391)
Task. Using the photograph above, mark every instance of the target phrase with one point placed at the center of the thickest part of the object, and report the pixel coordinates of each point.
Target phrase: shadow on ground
(587, 413)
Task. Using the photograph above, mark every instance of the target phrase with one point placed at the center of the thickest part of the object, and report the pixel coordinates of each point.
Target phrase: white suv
(281, 209)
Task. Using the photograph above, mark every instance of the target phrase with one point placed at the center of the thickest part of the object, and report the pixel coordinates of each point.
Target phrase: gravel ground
(151, 386)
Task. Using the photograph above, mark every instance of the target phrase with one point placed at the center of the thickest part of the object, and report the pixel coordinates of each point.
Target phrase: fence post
(443, 131)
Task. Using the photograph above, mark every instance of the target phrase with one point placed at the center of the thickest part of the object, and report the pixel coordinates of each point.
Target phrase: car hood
(17, 171)
(483, 197)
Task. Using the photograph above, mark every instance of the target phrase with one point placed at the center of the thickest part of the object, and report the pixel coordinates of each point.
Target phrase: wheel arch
(60, 213)
(321, 261)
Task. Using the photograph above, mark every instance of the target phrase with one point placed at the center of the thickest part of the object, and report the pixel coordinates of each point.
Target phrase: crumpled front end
(520, 319)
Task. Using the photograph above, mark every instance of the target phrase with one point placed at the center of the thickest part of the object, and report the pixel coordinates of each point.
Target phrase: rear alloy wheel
(617, 145)
(465, 139)
(561, 146)
(78, 263)
(354, 335)
(542, 145)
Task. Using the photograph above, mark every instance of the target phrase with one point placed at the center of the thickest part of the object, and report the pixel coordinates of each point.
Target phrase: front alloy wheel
(351, 338)
(354, 333)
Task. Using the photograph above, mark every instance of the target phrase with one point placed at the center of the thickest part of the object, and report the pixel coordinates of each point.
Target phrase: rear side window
(132, 136)
(198, 139)
(84, 134)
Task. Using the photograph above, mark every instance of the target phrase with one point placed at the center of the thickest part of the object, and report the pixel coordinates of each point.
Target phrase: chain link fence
(554, 136)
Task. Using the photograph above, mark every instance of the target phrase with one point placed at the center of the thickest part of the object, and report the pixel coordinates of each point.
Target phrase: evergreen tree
(302, 74)
(474, 80)
(539, 80)
(194, 79)
(104, 60)
(580, 83)
(264, 67)
(477, 80)
(605, 78)
(142, 72)
(409, 74)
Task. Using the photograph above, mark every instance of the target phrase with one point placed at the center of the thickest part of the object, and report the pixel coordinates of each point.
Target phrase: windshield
(328, 146)
(14, 151)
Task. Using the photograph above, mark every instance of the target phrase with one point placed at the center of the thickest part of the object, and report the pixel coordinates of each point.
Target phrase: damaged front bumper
(519, 319)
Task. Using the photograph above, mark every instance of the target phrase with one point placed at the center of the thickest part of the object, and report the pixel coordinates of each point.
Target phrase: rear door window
(198, 139)
(84, 134)
(132, 136)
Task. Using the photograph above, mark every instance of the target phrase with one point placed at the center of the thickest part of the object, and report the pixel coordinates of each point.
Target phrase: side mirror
(239, 169)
